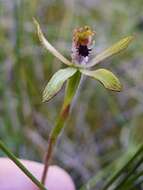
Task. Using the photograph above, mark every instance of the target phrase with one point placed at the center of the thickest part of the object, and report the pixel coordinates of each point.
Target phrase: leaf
(57, 81)
(48, 46)
(114, 49)
(107, 78)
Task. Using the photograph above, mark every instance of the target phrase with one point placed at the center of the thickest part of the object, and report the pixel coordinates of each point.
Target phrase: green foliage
(124, 177)
(21, 166)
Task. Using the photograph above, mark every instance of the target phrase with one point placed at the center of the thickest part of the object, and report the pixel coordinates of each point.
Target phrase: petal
(48, 46)
(114, 49)
(107, 78)
(57, 81)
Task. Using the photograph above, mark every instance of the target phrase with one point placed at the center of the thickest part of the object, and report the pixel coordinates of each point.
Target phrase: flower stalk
(71, 88)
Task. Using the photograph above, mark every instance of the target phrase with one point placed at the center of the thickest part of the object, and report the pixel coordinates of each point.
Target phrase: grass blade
(21, 166)
(118, 173)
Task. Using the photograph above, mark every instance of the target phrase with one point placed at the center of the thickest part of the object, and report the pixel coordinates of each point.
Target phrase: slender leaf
(114, 49)
(107, 78)
(133, 179)
(124, 168)
(48, 46)
(21, 166)
(56, 82)
(130, 173)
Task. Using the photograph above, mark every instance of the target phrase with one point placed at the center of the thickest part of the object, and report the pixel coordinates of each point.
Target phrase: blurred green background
(103, 124)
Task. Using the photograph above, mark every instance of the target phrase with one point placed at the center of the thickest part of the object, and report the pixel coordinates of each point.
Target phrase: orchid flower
(82, 40)
(81, 63)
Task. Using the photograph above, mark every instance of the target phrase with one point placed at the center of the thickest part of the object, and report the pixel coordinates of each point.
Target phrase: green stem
(129, 174)
(71, 89)
(136, 185)
(21, 166)
(130, 182)
(123, 168)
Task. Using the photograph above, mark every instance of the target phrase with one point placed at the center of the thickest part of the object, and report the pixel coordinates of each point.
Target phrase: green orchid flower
(80, 64)
(106, 77)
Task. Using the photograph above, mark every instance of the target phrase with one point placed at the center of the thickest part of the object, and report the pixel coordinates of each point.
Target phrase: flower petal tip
(56, 82)
(106, 77)
(112, 50)
(48, 46)
(116, 88)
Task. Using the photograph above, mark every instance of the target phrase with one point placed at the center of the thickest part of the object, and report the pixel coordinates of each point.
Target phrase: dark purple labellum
(83, 50)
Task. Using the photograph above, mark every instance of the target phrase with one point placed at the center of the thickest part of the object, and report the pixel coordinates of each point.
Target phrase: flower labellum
(82, 45)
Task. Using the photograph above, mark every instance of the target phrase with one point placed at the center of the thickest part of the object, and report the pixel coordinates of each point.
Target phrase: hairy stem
(71, 89)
